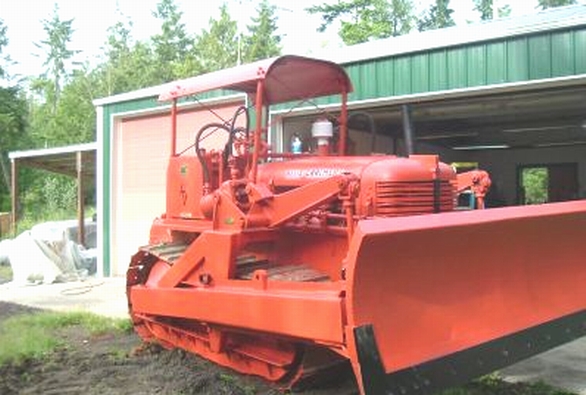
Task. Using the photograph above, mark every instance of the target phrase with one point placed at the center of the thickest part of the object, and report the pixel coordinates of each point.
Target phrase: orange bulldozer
(290, 265)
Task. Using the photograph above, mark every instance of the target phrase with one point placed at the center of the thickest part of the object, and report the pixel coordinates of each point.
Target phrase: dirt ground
(121, 365)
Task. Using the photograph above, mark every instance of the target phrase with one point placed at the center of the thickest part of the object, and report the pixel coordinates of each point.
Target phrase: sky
(92, 19)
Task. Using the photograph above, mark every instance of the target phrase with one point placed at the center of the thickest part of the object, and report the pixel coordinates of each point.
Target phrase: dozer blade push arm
(286, 206)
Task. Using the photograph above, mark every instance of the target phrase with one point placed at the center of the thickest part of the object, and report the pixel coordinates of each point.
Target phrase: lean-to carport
(78, 161)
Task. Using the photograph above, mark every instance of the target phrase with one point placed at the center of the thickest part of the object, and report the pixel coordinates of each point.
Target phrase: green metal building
(509, 95)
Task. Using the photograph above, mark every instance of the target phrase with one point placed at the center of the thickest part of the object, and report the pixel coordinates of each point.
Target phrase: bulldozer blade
(436, 300)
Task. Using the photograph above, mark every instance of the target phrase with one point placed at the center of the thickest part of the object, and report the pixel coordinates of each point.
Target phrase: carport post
(14, 194)
(80, 200)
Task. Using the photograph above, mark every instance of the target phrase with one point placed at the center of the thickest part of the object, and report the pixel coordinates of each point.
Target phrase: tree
(13, 115)
(117, 50)
(402, 18)
(485, 9)
(75, 116)
(487, 12)
(3, 43)
(57, 52)
(13, 122)
(438, 16)
(217, 47)
(128, 65)
(262, 41)
(363, 20)
(173, 44)
(119, 39)
(535, 185)
(504, 11)
(545, 4)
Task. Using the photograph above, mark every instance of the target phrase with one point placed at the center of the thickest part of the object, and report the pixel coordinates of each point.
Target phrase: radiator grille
(410, 198)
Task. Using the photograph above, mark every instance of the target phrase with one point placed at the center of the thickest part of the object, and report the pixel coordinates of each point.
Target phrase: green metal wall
(515, 59)
(544, 55)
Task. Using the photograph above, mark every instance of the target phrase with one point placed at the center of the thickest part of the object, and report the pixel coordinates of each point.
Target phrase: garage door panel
(139, 184)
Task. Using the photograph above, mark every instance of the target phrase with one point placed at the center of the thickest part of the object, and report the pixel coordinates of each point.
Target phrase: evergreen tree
(486, 9)
(504, 11)
(128, 65)
(172, 44)
(118, 53)
(262, 41)
(217, 46)
(75, 118)
(13, 122)
(13, 135)
(363, 20)
(438, 16)
(57, 54)
(402, 17)
(545, 4)
(3, 43)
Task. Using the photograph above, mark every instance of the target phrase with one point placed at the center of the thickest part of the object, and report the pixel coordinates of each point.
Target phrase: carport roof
(61, 160)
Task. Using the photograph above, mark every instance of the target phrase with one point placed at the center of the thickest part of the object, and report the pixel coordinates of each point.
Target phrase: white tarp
(47, 254)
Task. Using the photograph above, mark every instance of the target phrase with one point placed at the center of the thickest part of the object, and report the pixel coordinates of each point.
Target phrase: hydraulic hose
(240, 110)
(234, 130)
(204, 166)
(231, 130)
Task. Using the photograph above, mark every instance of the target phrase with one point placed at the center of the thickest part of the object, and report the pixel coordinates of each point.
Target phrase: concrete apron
(104, 296)
(563, 367)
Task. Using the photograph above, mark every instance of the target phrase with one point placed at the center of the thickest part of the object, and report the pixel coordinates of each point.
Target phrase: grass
(36, 335)
(493, 385)
(5, 272)
(232, 381)
(34, 217)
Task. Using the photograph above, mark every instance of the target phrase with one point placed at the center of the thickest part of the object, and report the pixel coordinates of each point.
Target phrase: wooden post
(14, 195)
(80, 200)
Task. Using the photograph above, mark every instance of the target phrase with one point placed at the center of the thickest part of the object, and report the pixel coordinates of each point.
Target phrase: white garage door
(140, 154)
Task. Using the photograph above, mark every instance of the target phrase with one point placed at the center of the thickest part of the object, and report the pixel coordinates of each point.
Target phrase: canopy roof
(60, 160)
(286, 78)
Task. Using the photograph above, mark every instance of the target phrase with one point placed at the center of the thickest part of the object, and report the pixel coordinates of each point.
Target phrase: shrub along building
(508, 96)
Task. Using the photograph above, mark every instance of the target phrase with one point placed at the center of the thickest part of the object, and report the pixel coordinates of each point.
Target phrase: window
(548, 183)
